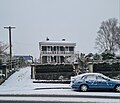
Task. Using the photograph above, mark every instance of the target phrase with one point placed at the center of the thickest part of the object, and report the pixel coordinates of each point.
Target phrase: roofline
(56, 43)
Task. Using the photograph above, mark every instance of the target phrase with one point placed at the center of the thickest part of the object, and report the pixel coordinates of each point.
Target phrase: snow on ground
(18, 81)
(21, 83)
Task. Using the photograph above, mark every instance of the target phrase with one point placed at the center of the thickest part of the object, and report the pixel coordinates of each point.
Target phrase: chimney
(47, 39)
(63, 39)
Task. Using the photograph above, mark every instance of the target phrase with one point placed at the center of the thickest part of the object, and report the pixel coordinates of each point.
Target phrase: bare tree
(107, 36)
(117, 39)
(3, 47)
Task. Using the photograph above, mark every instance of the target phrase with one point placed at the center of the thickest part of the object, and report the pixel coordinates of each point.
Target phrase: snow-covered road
(20, 83)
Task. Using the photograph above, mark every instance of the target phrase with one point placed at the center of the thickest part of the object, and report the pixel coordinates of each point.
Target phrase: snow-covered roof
(57, 43)
(84, 74)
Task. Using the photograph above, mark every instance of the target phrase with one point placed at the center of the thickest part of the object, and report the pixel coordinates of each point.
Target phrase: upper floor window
(44, 48)
(66, 49)
(58, 48)
(71, 48)
(49, 48)
(61, 48)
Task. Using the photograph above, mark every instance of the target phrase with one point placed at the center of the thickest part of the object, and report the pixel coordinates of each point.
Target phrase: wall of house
(55, 51)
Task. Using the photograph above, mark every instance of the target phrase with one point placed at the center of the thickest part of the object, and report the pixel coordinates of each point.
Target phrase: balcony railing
(57, 52)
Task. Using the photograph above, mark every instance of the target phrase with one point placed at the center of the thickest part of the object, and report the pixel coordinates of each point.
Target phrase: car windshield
(105, 77)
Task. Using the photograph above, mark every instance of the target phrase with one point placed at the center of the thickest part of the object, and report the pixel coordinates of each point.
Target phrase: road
(58, 95)
(36, 98)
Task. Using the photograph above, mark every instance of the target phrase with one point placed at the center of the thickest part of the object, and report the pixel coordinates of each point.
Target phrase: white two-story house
(56, 51)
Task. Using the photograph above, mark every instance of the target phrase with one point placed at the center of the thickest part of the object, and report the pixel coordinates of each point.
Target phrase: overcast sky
(75, 20)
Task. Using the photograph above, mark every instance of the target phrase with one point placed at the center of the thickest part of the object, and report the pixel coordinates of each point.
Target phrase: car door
(91, 81)
(102, 83)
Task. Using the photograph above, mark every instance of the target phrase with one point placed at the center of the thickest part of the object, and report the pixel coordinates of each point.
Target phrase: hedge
(54, 68)
(106, 67)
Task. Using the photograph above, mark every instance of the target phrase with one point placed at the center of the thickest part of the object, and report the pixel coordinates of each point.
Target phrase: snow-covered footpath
(20, 83)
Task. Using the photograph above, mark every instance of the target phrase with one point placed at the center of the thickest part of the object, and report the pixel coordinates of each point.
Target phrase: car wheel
(84, 88)
(117, 88)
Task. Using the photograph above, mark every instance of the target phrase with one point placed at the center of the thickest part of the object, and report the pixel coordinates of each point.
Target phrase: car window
(99, 78)
(83, 77)
(90, 77)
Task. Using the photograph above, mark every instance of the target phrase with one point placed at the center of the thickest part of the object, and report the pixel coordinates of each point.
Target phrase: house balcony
(57, 52)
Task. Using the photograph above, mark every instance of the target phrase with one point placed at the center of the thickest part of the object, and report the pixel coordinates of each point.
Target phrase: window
(83, 77)
(54, 48)
(61, 48)
(58, 48)
(71, 48)
(66, 49)
(44, 48)
(90, 77)
(49, 48)
(99, 78)
(49, 59)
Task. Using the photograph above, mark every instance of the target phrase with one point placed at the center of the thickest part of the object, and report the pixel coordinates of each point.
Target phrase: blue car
(94, 81)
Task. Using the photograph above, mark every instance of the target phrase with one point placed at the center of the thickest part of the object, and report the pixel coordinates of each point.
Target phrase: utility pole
(10, 43)
(119, 12)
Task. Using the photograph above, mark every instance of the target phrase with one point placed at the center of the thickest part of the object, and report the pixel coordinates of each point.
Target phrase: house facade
(56, 51)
